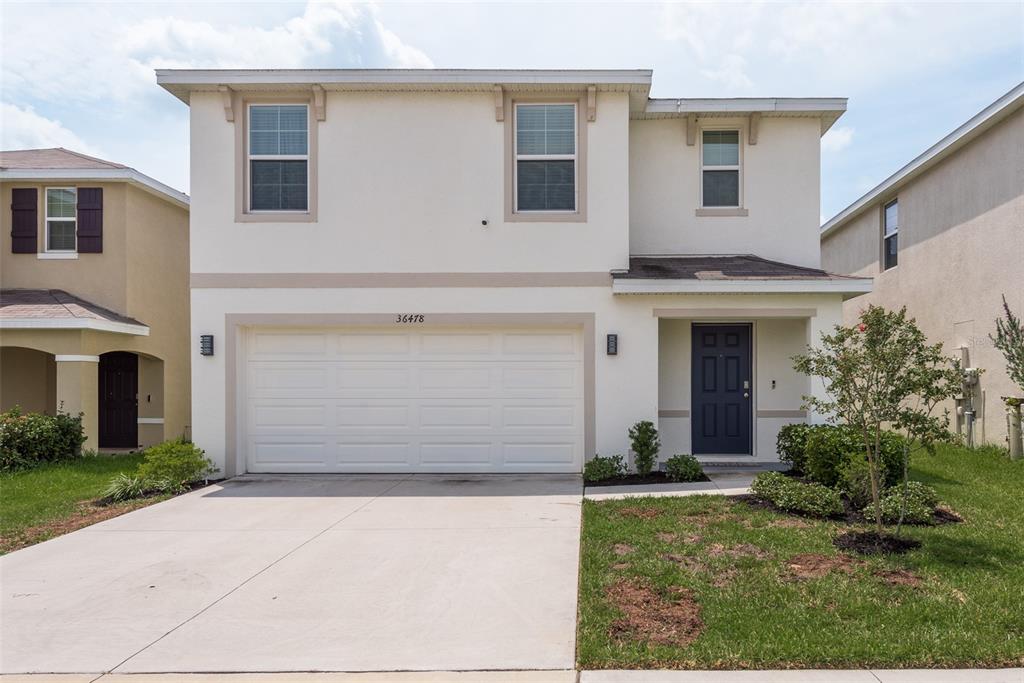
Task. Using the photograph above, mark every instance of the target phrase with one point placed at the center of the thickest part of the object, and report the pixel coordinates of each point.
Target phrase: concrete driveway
(308, 573)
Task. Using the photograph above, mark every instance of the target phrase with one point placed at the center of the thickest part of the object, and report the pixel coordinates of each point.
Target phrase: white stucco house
(496, 270)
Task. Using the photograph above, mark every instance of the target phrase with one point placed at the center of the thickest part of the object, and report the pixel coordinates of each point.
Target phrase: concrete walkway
(308, 573)
(729, 483)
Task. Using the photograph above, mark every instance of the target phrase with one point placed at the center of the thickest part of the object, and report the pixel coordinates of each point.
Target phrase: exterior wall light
(612, 345)
(206, 344)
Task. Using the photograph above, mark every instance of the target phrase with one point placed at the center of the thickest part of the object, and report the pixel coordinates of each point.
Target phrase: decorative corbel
(755, 121)
(228, 100)
(591, 103)
(319, 102)
(691, 129)
(499, 103)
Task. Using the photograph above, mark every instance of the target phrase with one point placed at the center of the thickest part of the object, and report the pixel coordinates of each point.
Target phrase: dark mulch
(672, 619)
(636, 479)
(871, 543)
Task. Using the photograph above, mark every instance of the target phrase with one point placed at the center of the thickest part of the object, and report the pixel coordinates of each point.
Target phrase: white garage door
(429, 400)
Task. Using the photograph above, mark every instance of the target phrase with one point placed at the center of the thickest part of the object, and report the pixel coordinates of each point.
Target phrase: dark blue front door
(721, 389)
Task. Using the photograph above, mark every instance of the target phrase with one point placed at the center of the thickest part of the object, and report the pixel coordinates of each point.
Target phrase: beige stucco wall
(779, 188)
(143, 274)
(404, 181)
(28, 378)
(775, 342)
(961, 248)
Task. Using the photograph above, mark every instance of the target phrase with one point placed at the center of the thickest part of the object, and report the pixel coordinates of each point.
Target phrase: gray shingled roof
(53, 304)
(55, 157)
(734, 267)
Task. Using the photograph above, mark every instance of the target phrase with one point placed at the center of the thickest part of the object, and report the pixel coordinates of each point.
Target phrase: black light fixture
(612, 344)
(206, 344)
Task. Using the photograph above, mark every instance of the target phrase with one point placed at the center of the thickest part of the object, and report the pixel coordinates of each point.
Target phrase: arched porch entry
(131, 399)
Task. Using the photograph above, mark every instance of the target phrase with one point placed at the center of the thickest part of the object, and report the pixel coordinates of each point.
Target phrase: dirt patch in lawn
(640, 513)
(673, 619)
(666, 536)
(621, 549)
(790, 523)
(814, 566)
(898, 577)
(737, 551)
(687, 562)
(86, 513)
(870, 543)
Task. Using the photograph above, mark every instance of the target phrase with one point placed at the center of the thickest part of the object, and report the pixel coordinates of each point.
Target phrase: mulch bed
(636, 479)
(86, 514)
(871, 543)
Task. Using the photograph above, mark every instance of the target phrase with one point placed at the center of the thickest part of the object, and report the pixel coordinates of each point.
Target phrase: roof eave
(141, 180)
(844, 286)
(74, 324)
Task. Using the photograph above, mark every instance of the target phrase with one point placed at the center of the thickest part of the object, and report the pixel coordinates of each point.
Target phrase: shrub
(684, 468)
(921, 503)
(829, 449)
(644, 439)
(27, 440)
(791, 495)
(604, 467)
(125, 486)
(172, 465)
(791, 445)
(855, 481)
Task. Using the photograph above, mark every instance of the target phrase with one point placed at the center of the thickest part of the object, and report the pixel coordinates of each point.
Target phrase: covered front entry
(721, 386)
(426, 399)
(118, 399)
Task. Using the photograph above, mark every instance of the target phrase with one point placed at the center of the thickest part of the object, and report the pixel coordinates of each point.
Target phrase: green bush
(921, 503)
(604, 467)
(125, 486)
(830, 449)
(171, 466)
(684, 468)
(855, 480)
(791, 445)
(792, 495)
(27, 440)
(644, 439)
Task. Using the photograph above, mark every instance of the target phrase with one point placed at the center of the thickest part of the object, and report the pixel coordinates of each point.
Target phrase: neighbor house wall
(780, 190)
(961, 248)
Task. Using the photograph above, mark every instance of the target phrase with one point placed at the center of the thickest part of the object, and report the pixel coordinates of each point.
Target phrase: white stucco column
(827, 316)
(78, 392)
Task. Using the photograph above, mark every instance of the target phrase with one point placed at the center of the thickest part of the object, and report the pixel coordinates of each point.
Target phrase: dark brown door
(119, 406)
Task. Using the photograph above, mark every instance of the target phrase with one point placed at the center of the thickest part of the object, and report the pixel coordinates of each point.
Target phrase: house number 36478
(409, 318)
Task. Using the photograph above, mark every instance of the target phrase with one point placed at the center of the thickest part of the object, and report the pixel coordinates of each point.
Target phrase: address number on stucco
(409, 318)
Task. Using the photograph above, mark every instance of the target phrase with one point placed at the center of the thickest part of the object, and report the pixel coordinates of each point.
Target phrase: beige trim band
(748, 313)
(395, 280)
(673, 413)
(782, 413)
(234, 322)
(721, 213)
(72, 358)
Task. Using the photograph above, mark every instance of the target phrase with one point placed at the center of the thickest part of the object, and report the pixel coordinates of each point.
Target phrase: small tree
(1009, 339)
(645, 443)
(882, 372)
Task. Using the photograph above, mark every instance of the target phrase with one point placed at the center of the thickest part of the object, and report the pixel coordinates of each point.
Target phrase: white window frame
(250, 157)
(58, 253)
(732, 167)
(574, 158)
(887, 235)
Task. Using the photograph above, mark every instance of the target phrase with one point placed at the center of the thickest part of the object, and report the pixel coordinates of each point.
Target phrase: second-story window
(890, 234)
(545, 157)
(720, 169)
(278, 157)
(61, 219)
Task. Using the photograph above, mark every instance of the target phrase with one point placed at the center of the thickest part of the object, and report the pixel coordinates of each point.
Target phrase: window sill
(726, 212)
(546, 217)
(282, 217)
(57, 255)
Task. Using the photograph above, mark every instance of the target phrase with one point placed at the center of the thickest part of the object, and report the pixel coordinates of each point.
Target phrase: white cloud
(23, 128)
(731, 73)
(837, 139)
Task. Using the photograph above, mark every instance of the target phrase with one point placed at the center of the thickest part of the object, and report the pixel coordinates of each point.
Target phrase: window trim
(242, 104)
(58, 253)
(249, 157)
(738, 209)
(579, 215)
(574, 158)
(886, 236)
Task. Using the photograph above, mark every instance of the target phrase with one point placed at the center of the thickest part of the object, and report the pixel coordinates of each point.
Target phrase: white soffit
(99, 175)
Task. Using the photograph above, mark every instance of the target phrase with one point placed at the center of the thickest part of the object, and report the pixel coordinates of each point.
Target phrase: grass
(57, 498)
(966, 609)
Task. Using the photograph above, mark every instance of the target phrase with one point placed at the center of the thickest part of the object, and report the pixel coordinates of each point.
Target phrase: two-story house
(496, 270)
(944, 236)
(94, 306)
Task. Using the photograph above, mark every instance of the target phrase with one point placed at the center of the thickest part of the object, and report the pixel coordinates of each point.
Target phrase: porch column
(824, 320)
(78, 392)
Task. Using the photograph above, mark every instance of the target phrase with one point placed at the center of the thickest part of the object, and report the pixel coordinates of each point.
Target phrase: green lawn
(956, 601)
(53, 499)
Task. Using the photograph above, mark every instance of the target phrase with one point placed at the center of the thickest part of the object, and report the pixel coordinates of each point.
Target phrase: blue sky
(912, 71)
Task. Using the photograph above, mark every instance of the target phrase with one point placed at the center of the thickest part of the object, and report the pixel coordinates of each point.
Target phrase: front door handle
(746, 395)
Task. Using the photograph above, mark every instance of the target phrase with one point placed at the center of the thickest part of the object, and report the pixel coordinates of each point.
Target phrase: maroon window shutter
(24, 220)
(90, 220)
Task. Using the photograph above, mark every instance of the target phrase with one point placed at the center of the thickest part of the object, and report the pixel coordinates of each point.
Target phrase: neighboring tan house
(94, 312)
(497, 271)
(944, 236)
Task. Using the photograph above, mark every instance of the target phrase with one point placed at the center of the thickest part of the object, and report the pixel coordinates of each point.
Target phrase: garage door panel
(442, 400)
